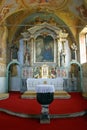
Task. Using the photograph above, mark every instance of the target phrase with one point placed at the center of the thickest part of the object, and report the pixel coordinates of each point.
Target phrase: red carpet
(30, 106)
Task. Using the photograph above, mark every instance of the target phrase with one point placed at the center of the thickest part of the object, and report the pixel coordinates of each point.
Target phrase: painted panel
(44, 49)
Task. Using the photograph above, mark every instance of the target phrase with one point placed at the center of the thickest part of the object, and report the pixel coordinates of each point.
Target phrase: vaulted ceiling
(18, 15)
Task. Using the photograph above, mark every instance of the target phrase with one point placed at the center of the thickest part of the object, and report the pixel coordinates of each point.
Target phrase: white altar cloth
(57, 82)
(45, 88)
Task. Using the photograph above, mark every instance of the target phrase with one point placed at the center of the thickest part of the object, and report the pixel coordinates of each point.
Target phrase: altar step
(57, 95)
(84, 94)
(4, 96)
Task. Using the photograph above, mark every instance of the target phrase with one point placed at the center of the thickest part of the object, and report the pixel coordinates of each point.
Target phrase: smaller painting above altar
(44, 49)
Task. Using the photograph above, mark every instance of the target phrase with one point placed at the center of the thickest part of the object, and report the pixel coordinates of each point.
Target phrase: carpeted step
(57, 94)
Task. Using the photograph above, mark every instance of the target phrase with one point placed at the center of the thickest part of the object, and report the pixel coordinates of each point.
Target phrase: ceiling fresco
(17, 14)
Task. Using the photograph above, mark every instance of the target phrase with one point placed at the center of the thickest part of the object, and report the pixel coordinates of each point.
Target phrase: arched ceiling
(21, 14)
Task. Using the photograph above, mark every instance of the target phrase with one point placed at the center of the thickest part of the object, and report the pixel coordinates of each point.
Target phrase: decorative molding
(37, 116)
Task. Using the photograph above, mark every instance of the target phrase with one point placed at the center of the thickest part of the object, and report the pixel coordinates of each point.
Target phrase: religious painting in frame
(44, 49)
(62, 72)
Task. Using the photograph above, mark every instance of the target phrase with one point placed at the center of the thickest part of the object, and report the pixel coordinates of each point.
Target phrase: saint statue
(62, 58)
(27, 57)
(14, 52)
(73, 51)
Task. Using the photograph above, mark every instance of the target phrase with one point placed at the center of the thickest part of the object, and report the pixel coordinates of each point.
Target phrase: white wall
(85, 84)
(15, 84)
(3, 87)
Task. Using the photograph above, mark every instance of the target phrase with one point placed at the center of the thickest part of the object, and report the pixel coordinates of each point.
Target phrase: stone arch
(80, 72)
(8, 72)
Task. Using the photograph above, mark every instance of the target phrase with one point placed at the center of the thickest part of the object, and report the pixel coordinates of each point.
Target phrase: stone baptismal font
(45, 96)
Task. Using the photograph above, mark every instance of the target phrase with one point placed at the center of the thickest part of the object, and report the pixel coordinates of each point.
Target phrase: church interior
(43, 42)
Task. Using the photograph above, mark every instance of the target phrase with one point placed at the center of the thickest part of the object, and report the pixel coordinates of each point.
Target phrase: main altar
(44, 56)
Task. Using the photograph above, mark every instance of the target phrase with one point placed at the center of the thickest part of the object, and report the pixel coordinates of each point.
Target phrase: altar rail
(57, 82)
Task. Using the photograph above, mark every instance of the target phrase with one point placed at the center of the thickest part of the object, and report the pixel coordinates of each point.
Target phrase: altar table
(57, 82)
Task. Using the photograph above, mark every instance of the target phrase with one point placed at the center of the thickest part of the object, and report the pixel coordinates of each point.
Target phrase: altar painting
(44, 49)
